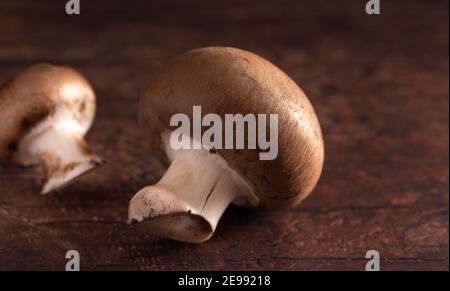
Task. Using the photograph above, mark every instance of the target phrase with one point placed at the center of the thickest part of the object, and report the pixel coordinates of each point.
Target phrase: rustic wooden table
(379, 84)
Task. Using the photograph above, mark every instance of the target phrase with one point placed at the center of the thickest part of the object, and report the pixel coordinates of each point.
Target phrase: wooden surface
(380, 88)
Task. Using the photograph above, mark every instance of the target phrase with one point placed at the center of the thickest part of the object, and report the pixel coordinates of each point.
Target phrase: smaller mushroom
(45, 111)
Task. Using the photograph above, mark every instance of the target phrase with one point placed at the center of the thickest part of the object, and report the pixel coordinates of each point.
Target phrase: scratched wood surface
(380, 88)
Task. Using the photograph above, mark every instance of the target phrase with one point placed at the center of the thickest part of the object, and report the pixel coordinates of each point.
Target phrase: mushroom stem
(61, 150)
(188, 201)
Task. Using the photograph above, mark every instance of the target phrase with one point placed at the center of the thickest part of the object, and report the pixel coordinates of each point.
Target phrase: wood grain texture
(380, 88)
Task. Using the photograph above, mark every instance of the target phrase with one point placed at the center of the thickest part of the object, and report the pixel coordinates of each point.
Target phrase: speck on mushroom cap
(36, 93)
(229, 81)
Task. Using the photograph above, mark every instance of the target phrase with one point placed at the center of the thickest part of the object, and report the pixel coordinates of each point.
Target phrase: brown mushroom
(45, 111)
(188, 201)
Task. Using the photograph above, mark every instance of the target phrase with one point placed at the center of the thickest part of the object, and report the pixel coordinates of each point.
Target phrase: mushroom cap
(226, 80)
(37, 93)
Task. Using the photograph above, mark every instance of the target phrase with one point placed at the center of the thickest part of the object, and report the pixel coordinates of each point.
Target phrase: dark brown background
(379, 85)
